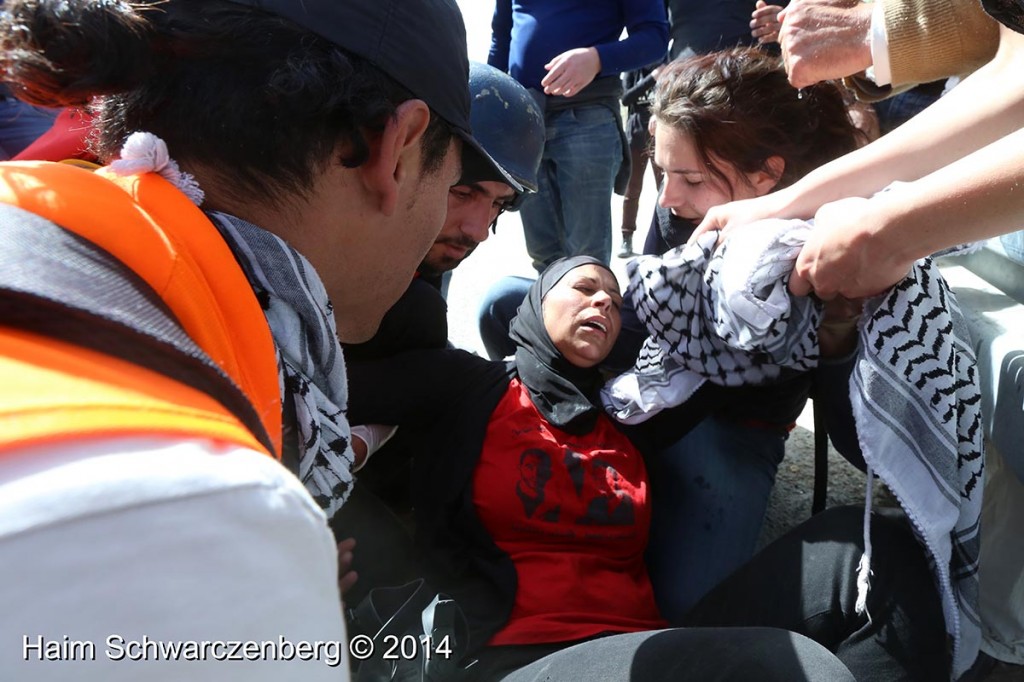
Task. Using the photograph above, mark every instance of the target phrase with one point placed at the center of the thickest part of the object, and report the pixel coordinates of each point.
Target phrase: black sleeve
(627, 346)
(419, 320)
(416, 387)
(832, 397)
(633, 333)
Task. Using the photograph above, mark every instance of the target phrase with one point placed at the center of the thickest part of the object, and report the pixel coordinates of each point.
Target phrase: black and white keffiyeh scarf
(725, 316)
(310, 363)
(711, 318)
(311, 370)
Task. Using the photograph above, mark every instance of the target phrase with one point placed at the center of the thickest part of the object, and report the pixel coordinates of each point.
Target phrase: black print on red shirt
(612, 508)
(534, 474)
(610, 503)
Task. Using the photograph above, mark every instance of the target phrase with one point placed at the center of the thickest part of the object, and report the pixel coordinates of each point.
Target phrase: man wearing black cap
(277, 169)
(510, 126)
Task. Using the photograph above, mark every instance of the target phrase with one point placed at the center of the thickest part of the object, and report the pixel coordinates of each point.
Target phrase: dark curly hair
(738, 106)
(251, 97)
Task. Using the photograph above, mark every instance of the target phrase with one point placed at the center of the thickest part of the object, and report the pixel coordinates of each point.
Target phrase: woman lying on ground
(727, 126)
(532, 510)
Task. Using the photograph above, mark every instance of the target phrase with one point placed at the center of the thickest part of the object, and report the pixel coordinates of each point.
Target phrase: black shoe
(983, 665)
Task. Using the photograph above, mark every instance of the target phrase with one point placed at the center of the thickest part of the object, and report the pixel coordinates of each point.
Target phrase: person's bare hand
(571, 71)
(825, 39)
(764, 22)
(844, 254)
(346, 576)
(728, 217)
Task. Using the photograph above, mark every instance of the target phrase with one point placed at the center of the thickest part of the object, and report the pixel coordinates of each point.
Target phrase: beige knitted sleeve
(929, 40)
(932, 39)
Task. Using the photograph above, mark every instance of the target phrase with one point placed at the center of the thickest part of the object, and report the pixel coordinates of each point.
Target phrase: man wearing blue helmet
(510, 127)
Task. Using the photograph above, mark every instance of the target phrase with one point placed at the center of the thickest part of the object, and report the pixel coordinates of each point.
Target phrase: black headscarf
(567, 395)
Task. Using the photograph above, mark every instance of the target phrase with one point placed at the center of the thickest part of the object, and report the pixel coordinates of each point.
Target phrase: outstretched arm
(861, 247)
(988, 106)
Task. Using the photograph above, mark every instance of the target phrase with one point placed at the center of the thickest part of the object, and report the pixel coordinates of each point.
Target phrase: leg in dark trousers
(640, 153)
(383, 556)
(806, 582)
(631, 200)
(704, 654)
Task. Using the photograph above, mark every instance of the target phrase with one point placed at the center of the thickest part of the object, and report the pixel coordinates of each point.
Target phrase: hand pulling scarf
(914, 389)
(310, 362)
(567, 396)
(728, 320)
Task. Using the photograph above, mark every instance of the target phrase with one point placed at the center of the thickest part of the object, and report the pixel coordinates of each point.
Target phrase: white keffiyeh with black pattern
(711, 318)
(310, 362)
(725, 316)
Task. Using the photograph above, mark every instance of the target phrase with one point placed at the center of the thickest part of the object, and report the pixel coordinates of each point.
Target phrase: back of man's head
(262, 91)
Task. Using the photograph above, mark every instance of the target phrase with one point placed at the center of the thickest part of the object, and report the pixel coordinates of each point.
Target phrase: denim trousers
(709, 492)
(571, 214)
(1013, 245)
(498, 307)
(21, 124)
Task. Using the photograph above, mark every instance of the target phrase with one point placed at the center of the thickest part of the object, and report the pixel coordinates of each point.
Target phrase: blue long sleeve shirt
(527, 34)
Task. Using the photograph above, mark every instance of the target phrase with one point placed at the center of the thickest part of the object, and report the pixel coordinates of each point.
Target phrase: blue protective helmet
(508, 124)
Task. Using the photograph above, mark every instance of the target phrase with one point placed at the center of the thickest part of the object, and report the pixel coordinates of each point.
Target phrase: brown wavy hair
(737, 105)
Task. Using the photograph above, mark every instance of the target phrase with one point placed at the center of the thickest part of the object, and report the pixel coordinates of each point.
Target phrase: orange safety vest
(55, 391)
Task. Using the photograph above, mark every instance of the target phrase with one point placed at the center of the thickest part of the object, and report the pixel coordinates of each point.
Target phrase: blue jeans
(709, 492)
(21, 124)
(1013, 245)
(499, 306)
(897, 110)
(571, 213)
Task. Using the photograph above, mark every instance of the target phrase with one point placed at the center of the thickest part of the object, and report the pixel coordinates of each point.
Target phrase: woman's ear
(765, 180)
(396, 154)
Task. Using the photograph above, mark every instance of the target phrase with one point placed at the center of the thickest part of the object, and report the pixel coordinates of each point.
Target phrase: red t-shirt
(573, 514)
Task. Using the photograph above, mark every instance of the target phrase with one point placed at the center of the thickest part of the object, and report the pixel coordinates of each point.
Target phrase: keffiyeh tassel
(146, 153)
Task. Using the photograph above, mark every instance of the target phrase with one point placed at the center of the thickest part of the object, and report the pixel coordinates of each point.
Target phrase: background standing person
(570, 55)
(171, 328)
(701, 27)
(637, 100)
(20, 123)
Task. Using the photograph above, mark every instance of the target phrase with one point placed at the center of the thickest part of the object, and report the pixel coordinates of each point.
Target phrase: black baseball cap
(421, 44)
